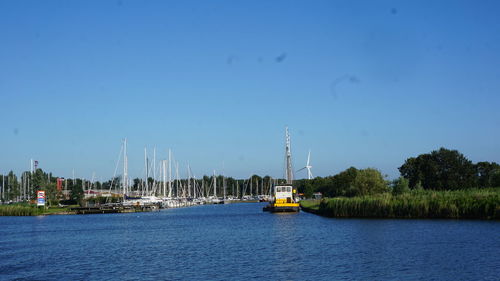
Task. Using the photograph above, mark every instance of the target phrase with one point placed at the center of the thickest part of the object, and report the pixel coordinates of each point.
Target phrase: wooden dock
(112, 209)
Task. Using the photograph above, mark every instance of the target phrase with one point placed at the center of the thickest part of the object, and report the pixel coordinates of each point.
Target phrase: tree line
(24, 188)
(442, 169)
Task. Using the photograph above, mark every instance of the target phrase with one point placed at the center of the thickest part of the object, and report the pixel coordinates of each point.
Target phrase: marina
(172, 192)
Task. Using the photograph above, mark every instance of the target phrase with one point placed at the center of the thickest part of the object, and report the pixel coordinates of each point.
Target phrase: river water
(240, 242)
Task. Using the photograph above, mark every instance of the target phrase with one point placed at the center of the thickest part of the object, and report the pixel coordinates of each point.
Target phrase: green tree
(39, 181)
(308, 190)
(341, 184)
(267, 184)
(495, 179)
(136, 184)
(442, 169)
(485, 172)
(76, 190)
(51, 193)
(13, 187)
(369, 181)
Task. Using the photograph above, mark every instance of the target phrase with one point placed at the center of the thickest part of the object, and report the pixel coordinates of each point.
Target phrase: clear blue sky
(360, 83)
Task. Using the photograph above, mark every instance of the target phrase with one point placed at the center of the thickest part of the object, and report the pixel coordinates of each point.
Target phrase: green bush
(400, 186)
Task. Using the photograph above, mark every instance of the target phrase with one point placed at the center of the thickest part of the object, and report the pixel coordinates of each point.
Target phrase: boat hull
(281, 209)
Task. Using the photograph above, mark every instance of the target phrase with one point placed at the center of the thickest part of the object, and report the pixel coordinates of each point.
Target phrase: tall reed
(463, 204)
(19, 210)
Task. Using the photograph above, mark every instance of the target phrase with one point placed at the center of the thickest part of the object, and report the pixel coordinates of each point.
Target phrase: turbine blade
(300, 169)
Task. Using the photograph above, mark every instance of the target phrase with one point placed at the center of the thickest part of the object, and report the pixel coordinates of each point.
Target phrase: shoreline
(33, 211)
(419, 204)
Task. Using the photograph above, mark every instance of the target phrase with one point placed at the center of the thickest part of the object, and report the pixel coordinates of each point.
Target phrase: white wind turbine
(308, 167)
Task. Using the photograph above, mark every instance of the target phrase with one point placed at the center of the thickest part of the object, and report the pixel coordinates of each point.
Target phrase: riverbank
(32, 210)
(23, 209)
(460, 204)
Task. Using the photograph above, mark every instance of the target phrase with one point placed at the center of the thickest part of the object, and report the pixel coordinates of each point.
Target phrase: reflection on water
(239, 242)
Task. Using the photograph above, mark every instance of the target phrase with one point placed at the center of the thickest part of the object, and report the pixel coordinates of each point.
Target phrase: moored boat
(284, 200)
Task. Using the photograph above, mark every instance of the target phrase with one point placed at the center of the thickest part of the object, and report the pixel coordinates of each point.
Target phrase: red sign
(40, 197)
(41, 194)
(59, 183)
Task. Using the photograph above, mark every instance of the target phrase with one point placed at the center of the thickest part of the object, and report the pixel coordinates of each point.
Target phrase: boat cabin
(283, 194)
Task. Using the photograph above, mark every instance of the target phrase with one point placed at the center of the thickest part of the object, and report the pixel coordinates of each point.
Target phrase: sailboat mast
(215, 185)
(189, 182)
(251, 185)
(177, 179)
(145, 192)
(261, 186)
(288, 159)
(169, 173)
(203, 187)
(153, 188)
(164, 169)
(125, 167)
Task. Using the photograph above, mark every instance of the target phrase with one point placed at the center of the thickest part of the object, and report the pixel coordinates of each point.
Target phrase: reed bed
(19, 210)
(460, 204)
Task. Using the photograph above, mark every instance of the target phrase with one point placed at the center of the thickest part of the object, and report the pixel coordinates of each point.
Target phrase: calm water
(240, 242)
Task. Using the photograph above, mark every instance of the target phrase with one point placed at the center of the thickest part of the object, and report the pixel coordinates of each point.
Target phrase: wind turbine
(308, 167)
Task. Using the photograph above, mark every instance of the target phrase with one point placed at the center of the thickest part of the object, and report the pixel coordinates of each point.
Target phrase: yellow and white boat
(284, 200)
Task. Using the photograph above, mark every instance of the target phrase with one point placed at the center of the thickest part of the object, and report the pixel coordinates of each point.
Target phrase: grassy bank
(460, 204)
(310, 204)
(29, 210)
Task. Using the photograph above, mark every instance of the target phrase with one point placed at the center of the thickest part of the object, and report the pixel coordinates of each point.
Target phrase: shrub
(400, 186)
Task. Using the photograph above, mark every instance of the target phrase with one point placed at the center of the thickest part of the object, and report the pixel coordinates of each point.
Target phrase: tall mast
(193, 182)
(147, 171)
(288, 159)
(189, 182)
(23, 186)
(154, 171)
(203, 187)
(261, 186)
(224, 184)
(237, 189)
(3, 186)
(169, 174)
(164, 169)
(125, 167)
(215, 185)
(177, 178)
(251, 183)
